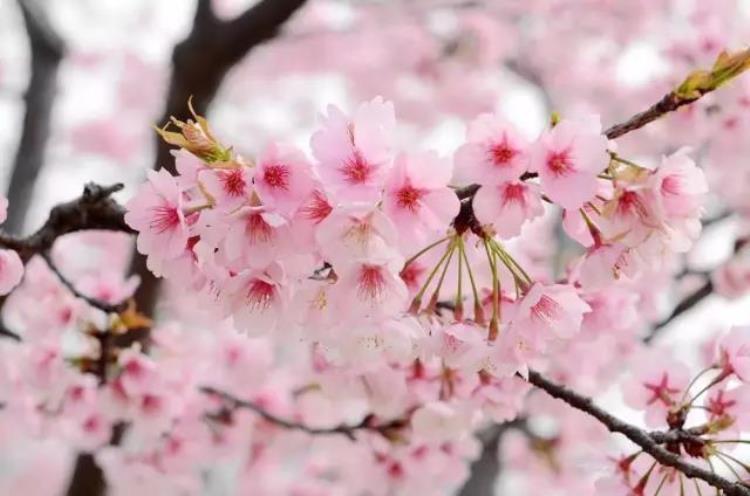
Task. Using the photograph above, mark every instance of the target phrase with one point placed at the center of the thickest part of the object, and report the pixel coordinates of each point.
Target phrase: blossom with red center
(729, 409)
(283, 179)
(494, 152)
(257, 299)
(551, 311)
(507, 206)
(417, 197)
(568, 158)
(657, 386)
(357, 232)
(733, 352)
(227, 188)
(370, 289)
(316, 207)
(253, 237)
(156, 213)
(354, 153)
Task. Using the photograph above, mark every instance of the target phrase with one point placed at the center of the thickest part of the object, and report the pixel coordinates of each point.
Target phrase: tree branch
(683, 306)
(199, 65)
(93, 210)
(94, 302)
(233, 403)
(47, 51)
(645, 440)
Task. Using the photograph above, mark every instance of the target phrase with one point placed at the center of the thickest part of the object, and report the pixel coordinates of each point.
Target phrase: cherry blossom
(568, 158)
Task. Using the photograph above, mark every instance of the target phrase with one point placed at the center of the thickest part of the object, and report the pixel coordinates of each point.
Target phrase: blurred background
(83, 83)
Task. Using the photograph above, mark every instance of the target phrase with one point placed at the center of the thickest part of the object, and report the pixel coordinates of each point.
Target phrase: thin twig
(347, 430)
(94, 302)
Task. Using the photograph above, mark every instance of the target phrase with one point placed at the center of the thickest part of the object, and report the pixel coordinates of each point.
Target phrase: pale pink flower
(679, 186)
(606, 264)
(370, 289)
(257, 299)
(355, 232)
(507, 206)
(551, 311)
(354, 154)
(461, 346)
(495, 152)
(733, 352)
(657, 386)
(11, 271)
(283, 178)
(254, 237)
(568, 158)
(729, 408)
(417, 198)
(156, 213)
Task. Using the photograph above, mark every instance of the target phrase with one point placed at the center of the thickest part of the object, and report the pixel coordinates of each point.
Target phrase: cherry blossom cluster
(706, 414)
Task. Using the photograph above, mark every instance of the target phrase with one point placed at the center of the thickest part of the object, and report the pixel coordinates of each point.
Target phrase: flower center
(559, 163)
(356, 170)
(277, 176)
(408, 197)
(514, 193)
(164, 218)
(260, 294)
(371, 282)
(502, 154)
(258, 229)
(233, 183)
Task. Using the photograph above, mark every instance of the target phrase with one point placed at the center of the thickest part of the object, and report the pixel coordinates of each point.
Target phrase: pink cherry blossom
(679, 185)
(507, 206)
(229, 188)
(283, 178)
(568, 158)
(656, 386)
(417, 198)
(733, 352)
(257, 299)
(156, 212)
(551, 311)
(355, 154)
(495, 152)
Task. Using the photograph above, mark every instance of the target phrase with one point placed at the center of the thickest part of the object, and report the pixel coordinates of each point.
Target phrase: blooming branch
(649, 442)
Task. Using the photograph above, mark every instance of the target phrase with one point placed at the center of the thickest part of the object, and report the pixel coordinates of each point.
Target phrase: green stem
(425, 250)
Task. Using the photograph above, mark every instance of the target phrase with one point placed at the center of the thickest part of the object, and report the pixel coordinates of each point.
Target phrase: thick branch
(93, 210)
(638, 436)
(46, 53)
(199, 64)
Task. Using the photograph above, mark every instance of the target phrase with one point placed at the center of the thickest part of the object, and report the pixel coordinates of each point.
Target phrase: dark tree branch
(93, 210)
(47, 51)
(96, 303)
(199, 65)
(648, 442)
(349, 430)
(683, 306)
(486, 469)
